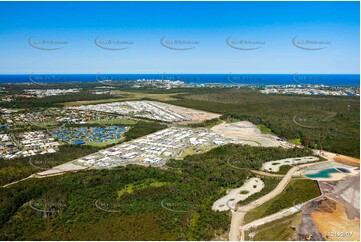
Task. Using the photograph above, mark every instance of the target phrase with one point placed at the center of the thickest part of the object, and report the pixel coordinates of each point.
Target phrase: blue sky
(271, 26)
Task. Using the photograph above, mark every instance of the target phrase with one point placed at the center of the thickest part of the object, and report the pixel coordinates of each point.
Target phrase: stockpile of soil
(332, 222)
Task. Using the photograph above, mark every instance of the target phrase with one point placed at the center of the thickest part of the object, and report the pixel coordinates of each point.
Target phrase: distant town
(312, 90)
(106, 86)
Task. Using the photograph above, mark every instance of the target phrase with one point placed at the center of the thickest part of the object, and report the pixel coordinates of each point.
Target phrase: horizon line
(166, 73)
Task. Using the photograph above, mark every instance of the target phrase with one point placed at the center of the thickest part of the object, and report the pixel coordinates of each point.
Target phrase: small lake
(344, 170)
(323, 173)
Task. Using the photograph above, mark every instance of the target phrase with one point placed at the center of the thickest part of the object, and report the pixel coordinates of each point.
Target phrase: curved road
(238, 216)
(263, 173)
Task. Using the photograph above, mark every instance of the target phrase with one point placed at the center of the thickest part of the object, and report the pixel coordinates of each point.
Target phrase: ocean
(196, 79)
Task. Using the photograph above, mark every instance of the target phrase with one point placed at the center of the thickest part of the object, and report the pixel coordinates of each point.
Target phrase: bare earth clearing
(347, 160)
(229, 201)
(331, 218)
(196, 116)
(238, 216)
(247, 132)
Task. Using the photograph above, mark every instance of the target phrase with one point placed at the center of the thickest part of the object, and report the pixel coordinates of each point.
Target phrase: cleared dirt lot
(346, 192)
(57, 170)
(195, 116)
(126, 96)
(274, 166)
(337, 211)
(332, 222)
(247, 132)
(307, 228)
(347, 160)
(239, 128)
(229, 201)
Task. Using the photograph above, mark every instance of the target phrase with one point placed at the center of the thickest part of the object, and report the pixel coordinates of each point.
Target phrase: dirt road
(268, 219)
(262, 173)
(12, 183)
(238, 216)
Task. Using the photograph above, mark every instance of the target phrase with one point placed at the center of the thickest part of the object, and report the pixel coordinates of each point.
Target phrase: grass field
(296, 141)
(270, 184)
(207, 124)
(128, 96)
(284, 169)
(130, 188)
(194, 150)
(143, 95)
(114, 122)
(296, 192)
(278, 230)
(107, 143)
(143, 128)
(88, 102)
(264, 129)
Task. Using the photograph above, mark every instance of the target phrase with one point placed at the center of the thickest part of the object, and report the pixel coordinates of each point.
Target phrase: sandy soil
(196, 116)
(345, 192)
(61, 169)
(331, 218)
(242, 127)
(247, 132)
(269, 219)
(234, 196)
(307, 228)
(274, 166)
(347, 160)
(353, 171)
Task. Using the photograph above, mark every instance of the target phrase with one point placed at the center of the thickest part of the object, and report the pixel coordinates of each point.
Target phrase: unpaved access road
(238, 216)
